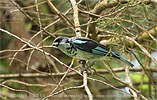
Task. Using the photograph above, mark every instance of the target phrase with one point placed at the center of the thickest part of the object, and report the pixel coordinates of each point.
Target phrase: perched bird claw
(86, 68)
(83, 69)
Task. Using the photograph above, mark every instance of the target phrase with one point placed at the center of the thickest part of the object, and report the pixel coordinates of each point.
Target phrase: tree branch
(64, 18)
(70, 74)
(130, 82)
(76, 18)
(91, 28)
(152, 33)
(90, 96)
(123, 82)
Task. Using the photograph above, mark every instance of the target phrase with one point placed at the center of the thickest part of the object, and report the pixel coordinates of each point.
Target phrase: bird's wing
(91, 46)
(94, 47)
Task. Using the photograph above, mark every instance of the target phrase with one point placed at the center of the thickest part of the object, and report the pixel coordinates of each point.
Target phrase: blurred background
(28, 73)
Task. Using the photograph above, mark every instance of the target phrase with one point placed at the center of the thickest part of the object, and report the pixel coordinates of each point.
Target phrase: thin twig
(123, 82)
(56, 93)
(76, 18)
(71, 74)
(10, 88)
(130, 82)
(27, 84)
(142, 48)
(64, 18)
(46, 53)
(90, 96)
(144, 69)
(59, 83)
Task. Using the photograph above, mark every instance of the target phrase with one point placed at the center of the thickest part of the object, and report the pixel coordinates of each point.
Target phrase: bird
(85, 49)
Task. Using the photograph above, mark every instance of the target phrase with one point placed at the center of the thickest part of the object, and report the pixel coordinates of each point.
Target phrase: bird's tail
(129, 63)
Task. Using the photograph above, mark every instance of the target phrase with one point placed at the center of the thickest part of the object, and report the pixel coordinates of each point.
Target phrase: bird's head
(60, 40)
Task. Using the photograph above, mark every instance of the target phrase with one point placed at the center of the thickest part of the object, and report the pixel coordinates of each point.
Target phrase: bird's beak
(54, 44)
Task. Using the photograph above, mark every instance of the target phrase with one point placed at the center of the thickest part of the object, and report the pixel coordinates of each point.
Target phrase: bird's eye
(58, 40)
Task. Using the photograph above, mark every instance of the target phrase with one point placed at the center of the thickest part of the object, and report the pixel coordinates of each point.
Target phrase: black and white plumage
(85, 49)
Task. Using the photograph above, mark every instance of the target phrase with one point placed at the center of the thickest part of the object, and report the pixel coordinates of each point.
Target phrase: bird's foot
(85, 69)
(83, 62)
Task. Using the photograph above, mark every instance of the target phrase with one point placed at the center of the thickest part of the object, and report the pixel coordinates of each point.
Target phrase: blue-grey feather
(79, 42)
(102, 49)
(126, 62)
(99, 51)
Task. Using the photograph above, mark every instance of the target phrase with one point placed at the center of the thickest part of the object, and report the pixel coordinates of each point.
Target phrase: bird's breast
(80, 54)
